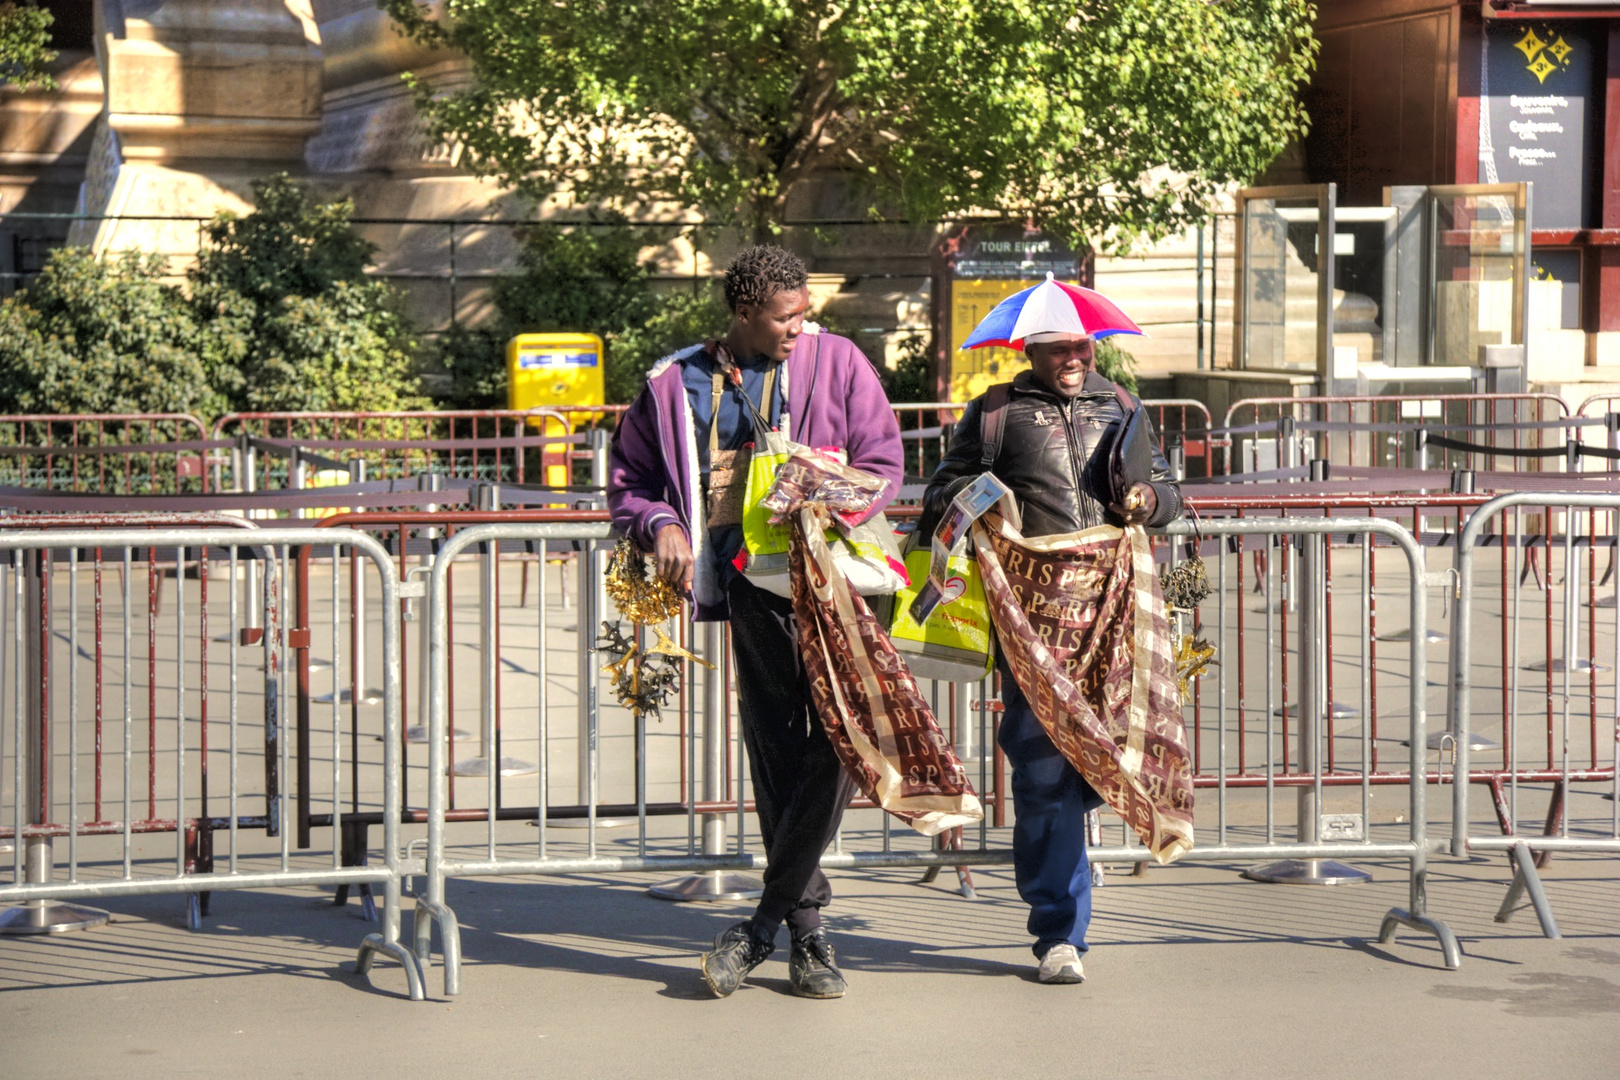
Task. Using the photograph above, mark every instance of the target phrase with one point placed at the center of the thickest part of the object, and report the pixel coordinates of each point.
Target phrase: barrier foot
(1307, 872)
(709, 886)
(355, 852)
(964, 880)
(193, 911)
(49, 917)
(449, 940)
(418, 733)
(374, 944)
(1449, 948)
(479, 766)
(1526, 880)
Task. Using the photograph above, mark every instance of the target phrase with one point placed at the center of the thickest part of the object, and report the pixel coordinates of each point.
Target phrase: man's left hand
(1140, 504)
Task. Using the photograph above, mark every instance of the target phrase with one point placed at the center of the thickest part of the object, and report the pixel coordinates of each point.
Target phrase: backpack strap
(991, 422)
(1125, 401)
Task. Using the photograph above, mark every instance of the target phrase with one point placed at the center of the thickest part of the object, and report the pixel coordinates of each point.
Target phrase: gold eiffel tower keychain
(642, 679)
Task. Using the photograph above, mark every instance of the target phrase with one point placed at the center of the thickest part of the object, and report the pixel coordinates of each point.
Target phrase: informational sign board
(989, 265)
(1538, 123)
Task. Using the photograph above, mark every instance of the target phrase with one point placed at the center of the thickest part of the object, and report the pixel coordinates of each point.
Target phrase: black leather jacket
(1046, 441)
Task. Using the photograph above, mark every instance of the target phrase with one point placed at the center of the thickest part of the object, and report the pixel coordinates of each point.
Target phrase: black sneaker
(812, 970)
(736, 952)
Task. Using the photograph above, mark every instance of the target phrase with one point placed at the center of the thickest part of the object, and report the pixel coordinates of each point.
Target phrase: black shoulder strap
(1126, 402)
(991, 422)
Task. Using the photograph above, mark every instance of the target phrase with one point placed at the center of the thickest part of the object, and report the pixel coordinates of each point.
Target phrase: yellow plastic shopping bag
(956, 642)
(867, 554)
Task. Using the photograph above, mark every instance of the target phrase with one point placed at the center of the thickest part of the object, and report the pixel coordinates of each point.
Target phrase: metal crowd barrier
(1576, 658)
(124, 453)
(1182, 424)
(171, 784)
(479, 444)
(1515, 432)
(1308, 772)
(1521, 592)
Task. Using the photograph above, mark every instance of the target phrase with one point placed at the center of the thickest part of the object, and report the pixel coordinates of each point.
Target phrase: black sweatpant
(800, 789)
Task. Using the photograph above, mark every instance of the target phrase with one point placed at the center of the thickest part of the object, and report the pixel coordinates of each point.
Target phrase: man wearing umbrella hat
(1052, 420)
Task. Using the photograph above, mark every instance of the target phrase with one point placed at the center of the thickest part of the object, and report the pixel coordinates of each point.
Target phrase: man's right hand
(674, 556)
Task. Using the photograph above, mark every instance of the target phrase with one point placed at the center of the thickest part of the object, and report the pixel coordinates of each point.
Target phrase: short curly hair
(760, 272)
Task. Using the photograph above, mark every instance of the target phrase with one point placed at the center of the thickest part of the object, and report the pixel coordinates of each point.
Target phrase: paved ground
(1194, 973)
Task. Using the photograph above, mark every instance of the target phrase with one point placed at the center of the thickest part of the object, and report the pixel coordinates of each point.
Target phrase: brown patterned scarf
(1082, 627)
(880, 725)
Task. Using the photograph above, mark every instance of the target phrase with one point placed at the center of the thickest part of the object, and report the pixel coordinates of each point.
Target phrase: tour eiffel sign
(1537, 122)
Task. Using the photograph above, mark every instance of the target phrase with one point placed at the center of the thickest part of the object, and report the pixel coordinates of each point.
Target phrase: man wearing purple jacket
(822, 392)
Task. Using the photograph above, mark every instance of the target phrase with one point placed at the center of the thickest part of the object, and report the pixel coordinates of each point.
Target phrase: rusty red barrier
(124, 453)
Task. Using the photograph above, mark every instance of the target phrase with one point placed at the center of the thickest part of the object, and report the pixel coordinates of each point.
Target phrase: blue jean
(1051, 800)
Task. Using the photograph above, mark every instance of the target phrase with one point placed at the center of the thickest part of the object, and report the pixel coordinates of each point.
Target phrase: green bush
(676, 320)
(279, 316)
(1113, 362)
(286, 287)
(288, 246)
(107, 335)
(581, 279)
(347, 350)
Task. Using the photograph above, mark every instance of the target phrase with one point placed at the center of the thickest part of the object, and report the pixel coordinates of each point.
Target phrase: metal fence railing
(1481, 432)
(113, 453)
(1579, 678)
(1320, 618)
(142, 721)
(1307, 775)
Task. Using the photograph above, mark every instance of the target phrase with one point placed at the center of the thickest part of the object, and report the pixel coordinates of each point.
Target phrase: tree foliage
(286, 287)
(1102, 121)
(278, 316)
(584, 278)
(107, 336)
(25, 45)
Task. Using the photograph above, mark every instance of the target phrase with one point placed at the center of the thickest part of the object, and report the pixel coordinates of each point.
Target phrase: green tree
(582, 278)
(1103, 121)
(25, 45)
(109, 336)
(679, 318)
(284, 292)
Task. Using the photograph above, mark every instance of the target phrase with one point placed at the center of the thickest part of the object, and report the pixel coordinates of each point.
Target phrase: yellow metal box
(553, 371)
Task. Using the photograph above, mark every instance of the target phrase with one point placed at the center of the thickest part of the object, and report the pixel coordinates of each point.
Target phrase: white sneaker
(1061, 964)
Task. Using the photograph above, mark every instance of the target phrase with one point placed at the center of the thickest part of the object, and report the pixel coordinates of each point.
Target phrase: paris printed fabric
(880, 725)
(1084, 630)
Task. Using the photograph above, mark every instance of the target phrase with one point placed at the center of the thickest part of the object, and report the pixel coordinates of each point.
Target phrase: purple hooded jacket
(834, 399)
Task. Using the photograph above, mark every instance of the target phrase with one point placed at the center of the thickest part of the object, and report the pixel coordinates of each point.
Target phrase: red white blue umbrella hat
(1054, 308)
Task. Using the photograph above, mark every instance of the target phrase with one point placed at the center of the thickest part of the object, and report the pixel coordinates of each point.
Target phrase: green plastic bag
(957, 641)
(867, 554)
